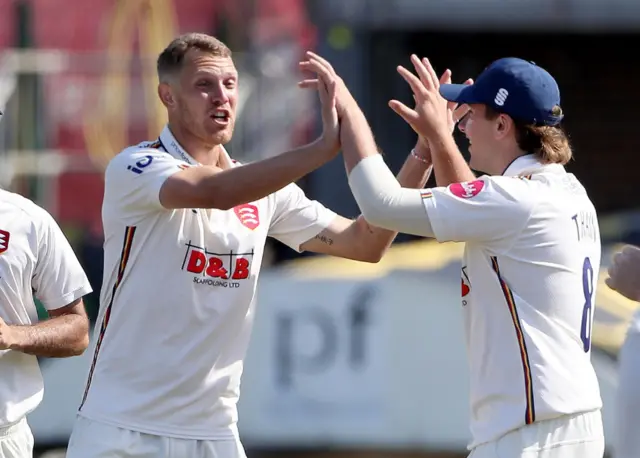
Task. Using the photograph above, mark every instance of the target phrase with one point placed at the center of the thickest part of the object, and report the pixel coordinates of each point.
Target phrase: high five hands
(432, 114)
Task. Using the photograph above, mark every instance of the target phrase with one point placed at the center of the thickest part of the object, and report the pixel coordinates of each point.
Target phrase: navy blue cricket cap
(515, 87)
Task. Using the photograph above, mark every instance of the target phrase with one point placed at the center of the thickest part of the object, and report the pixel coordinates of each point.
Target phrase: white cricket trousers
(626, 436)
(16, 441)
(570, 436)
(91, 439)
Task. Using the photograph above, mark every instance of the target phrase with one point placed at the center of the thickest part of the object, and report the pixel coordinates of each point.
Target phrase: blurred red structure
(87, 30)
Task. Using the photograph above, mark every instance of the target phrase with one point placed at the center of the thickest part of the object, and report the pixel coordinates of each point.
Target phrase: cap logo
(501, 97)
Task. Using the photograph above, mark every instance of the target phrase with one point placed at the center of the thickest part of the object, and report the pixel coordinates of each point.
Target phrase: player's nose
(219, 96)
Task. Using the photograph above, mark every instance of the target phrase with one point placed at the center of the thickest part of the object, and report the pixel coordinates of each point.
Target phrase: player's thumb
(406, 113)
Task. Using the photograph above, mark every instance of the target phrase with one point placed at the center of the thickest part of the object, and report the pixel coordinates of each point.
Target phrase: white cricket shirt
(177, 305)
(529, 277)
(35, 258)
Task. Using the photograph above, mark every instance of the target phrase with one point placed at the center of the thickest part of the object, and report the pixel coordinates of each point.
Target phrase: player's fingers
(432, 73)
(631, 251)
(311, 66)
(406, 113)
(610, 283)
(308, 84)
(314, 66)
(460, 112)
(446, 77)
(468, 82)
(416, 85)
(332, 91)
(616, 261)
(325, 63)
(422, 72)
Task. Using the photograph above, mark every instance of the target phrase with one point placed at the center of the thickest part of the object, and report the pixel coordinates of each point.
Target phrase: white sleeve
(488, 210)
(384, 203)
(298, 219)
(58, 277)
(133, 180)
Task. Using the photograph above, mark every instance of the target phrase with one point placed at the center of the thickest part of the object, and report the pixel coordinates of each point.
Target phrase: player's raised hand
(455, 111)
(326, 83)
(624, 273)
(432, 114)
(344, 99)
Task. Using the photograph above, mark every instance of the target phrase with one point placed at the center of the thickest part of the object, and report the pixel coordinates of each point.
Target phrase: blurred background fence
(77, 84)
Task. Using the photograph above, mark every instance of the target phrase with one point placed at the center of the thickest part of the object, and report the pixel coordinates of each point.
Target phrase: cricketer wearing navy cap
(513, 86)
(532, 250)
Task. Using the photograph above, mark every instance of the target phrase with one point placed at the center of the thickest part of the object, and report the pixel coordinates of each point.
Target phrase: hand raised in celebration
(326, 83)
(313, 63)
(432, 114)
(624, 273)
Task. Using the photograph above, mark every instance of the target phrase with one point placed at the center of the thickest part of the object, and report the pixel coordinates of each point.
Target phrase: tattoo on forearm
(325, 239)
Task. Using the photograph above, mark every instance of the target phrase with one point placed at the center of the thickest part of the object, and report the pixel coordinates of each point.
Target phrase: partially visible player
(624, 277)
(185, 231)
(35, 259)
(531, 257)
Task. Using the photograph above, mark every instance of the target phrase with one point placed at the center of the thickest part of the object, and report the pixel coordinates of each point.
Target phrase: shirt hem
(497, 437)
(168, 431)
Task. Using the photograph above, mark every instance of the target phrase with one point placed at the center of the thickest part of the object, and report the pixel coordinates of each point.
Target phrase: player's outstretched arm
(360, 239)
(65, 333)
(434, 119)
(624, 273)
(211, 187)
(364, 239)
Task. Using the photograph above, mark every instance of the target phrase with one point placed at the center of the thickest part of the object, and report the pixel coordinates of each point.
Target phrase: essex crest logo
(466, 190)
(4, 241)
(248, 215)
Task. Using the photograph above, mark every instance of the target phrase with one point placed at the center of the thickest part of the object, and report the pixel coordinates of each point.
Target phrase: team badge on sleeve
(248, 215)
(466, 190)
(4, 241)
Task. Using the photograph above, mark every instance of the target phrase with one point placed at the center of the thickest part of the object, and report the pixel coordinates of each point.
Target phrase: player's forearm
(254, 181)
(356, 137)
(59, 337)
(386, 204)
(448, 162)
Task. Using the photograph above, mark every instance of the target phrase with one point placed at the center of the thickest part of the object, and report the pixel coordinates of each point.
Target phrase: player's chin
(222, 136)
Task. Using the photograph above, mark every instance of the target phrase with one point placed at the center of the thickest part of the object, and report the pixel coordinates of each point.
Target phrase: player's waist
(183, 427)
(584, 424)
(13, 428)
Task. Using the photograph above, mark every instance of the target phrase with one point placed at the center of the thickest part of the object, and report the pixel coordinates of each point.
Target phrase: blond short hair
(170, 60)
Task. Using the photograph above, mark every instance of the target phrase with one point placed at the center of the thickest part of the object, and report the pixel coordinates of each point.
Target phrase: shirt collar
(171, 145)
(529, 164)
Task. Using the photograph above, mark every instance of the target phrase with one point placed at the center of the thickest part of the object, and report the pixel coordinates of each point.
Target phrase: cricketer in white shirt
(184, 242)
(529, 276)
(35, 259)
(180, 287)
(624, 277)
(530, 265)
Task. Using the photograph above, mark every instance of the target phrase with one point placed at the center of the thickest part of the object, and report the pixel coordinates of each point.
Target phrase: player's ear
(166, 95)
(503, 125)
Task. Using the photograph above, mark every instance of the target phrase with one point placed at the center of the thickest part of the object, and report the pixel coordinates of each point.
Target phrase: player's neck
(205, 154)
(504, 158)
